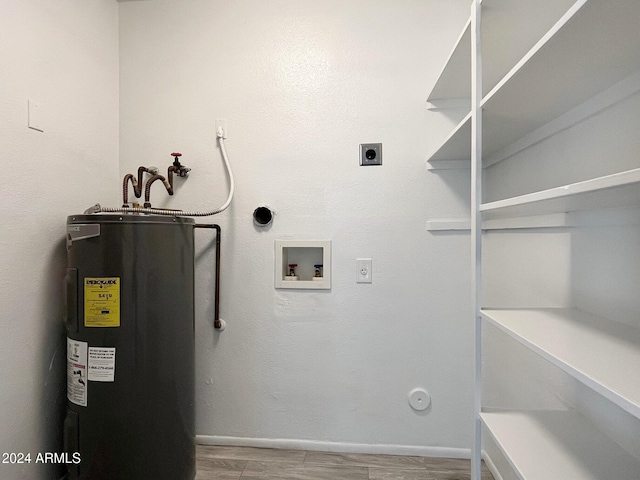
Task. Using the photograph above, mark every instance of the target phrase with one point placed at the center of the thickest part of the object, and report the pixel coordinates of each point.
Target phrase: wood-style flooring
(234, 463)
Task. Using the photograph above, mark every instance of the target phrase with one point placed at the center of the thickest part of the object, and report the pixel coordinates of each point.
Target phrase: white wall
(64, 55)
(302, 83)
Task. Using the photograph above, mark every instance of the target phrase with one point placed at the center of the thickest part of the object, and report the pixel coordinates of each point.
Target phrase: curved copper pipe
(125, 188)
(141, 172)
(170, 170)
(137, 185)
(147, 189)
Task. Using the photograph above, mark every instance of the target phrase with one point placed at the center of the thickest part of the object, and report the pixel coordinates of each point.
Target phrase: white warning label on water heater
(77, 372)
(102, 364)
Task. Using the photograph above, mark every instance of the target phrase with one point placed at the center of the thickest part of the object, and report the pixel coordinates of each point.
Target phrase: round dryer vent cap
(419, 399)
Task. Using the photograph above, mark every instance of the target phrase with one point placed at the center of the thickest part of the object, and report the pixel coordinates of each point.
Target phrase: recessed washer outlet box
(370, 154)
(303, 264)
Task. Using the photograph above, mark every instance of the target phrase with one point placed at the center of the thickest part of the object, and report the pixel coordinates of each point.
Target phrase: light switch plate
(36, 120)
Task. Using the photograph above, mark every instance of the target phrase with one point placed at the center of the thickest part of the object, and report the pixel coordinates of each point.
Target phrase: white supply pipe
(155, 211)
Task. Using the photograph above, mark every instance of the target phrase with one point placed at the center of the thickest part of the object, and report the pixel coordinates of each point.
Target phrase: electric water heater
(130, 347)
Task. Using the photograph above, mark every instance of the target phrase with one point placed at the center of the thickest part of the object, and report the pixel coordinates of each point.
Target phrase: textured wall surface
(63, 55)
(301, 85)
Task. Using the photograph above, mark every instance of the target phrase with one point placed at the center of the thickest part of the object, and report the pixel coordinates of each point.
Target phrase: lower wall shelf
(617, 190)
(587, 347)
(445, 224)
(558, 445)
(553, 220)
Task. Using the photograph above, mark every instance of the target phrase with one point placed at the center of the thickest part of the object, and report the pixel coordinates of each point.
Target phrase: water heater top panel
(128, 218)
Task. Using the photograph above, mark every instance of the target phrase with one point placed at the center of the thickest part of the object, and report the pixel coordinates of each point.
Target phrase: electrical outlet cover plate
(363, 270)
(370, 154)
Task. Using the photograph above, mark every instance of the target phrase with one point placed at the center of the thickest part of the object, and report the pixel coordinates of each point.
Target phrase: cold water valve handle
(178, 168)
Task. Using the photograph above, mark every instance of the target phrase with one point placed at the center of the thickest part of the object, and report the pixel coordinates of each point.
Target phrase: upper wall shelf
(584, 53)
(454, 82)
(611, 191)
(457, 146)
(452, 91)
(510, 29)
(536, 66)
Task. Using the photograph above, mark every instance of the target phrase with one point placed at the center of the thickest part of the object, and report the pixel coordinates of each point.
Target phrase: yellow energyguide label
(102, 302)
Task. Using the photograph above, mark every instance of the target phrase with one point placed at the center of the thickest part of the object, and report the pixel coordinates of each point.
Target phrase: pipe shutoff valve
(179, 169)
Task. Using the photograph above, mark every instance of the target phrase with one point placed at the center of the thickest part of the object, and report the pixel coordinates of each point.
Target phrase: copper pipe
(170, 171)
(125, 188)
(217, 323)
(141, 172)
(137, 185)
(147, 190)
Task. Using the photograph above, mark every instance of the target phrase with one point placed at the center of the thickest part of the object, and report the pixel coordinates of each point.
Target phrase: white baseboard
(491, 466)
(338, 447)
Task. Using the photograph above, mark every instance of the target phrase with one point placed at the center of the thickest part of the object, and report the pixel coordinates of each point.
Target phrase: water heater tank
(130, 347)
